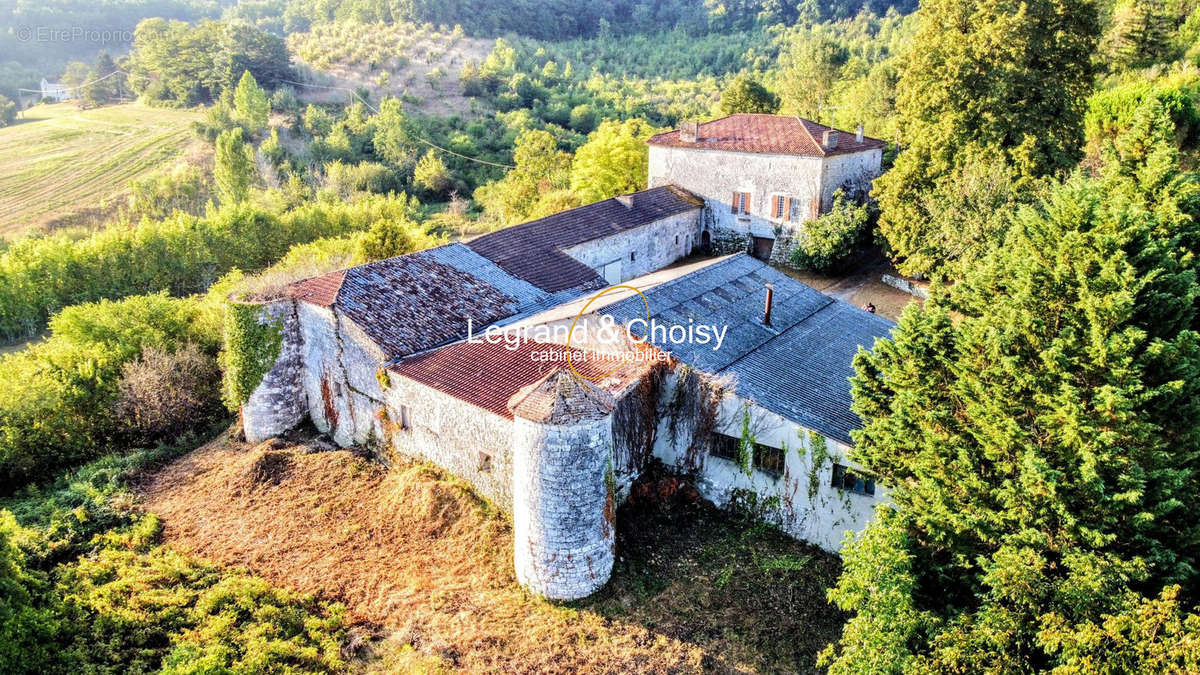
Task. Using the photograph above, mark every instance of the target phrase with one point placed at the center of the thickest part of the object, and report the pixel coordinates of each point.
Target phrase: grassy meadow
(58, 161)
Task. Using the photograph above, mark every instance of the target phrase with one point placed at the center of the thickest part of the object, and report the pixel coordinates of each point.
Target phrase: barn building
(459, 355)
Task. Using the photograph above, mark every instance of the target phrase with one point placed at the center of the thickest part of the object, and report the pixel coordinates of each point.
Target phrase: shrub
(829, 240)
(162, 393)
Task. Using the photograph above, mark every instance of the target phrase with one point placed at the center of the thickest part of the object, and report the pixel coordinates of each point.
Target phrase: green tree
(998, 81)
(1138, 34)
(251, 106)
(1037, 427)
(8, 111)
(810, 65)
(540, 168)
(431, 174)
(104, 82)
(233, 168)
(825, 243)
(613, 161)
(747, 95)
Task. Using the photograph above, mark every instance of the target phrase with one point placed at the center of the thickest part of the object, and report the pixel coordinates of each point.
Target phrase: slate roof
(773, 134)
(497, 379)
(799, 367)
(533, 251)
(424, 299)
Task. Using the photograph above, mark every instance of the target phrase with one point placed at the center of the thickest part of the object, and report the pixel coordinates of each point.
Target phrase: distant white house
(55, 91)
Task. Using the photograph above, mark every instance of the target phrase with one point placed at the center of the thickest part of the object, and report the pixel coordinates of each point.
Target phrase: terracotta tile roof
(532, 251)
(496, 378)
(320, 290)
(775, 134)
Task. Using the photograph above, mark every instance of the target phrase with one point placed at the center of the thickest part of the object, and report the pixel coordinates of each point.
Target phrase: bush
(829, 240)
(181, 255)
(57, 408)
(162, 393)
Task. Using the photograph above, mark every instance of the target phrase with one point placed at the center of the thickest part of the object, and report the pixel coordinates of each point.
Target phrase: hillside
(420, 64)
(59, 163)
(419, 558)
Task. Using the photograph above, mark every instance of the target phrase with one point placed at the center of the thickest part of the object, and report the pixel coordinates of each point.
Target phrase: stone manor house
(389, 354)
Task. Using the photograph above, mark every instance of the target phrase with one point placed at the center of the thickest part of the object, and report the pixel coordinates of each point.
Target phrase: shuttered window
(740, 203)
(778, 205)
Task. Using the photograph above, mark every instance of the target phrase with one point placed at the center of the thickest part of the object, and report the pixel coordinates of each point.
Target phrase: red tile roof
(773, 134)
(322, 290)
(532, 251)
(491, 376)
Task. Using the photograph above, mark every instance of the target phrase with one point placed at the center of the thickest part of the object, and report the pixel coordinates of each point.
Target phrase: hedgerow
(181, 255)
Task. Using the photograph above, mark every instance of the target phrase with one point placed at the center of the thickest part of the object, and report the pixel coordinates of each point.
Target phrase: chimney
(627, 200)
(767, 309)
(829, 139)
(858, 135)
(689, 131)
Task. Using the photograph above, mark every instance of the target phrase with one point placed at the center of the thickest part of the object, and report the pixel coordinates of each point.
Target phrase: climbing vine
(250, 350)
(746, 446)
(635, 422)
(694, 406)
(820, 453)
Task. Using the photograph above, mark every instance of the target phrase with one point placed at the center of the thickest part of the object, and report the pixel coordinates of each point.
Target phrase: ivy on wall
(250, 350)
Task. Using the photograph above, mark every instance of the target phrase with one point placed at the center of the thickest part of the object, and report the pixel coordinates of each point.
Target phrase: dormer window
(740, 203)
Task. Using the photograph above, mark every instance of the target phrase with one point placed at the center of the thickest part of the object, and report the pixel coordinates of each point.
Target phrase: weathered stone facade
(563, 508)
(640, 251)
(277, 404)
(806, 183)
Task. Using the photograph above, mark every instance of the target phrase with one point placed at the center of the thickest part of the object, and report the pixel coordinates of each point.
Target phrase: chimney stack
(689, 131)
(829, 139)
(858, 135)
(767, 309)
(627, 200)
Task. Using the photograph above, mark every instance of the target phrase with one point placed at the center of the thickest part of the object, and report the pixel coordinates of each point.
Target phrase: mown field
(58, 161)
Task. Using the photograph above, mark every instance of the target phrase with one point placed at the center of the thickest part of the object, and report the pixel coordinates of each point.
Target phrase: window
(676, 239)
(485, 463)
(741, 202)
(795, 210)
(778, 206)
(845, 479)
(405, 419)
(768, 460)
(725, 447)
(632, 256)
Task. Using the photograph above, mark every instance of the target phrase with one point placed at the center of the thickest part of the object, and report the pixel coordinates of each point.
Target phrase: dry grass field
(427, 567)
(58, 164)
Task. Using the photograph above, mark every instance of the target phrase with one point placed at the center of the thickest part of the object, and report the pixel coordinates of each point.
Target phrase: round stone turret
(563, 509)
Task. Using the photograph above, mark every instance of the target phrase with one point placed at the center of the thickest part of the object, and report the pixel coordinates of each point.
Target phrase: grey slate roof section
(799, 367)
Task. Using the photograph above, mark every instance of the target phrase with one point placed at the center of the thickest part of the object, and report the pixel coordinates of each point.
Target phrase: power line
(376, 111)
(88, 84)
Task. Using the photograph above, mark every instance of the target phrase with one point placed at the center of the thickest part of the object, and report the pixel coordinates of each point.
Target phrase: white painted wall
(809, 507)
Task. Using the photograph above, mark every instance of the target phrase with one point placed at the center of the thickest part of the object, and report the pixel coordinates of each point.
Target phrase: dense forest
(1035, 419)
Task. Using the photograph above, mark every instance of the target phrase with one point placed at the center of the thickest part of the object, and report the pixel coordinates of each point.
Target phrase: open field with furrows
(426, 567)
(58, 161)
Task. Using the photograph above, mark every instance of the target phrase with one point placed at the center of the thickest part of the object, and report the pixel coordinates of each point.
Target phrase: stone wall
(563, 507)
(715, 175)
(453, 434)
(653, 246)
(339, 378)
(277, 404)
